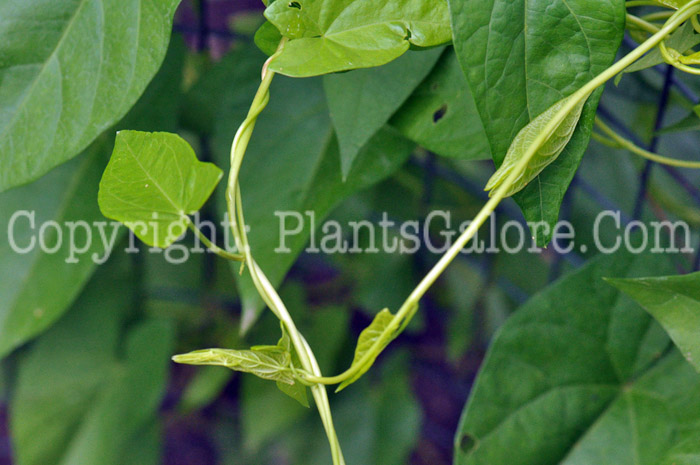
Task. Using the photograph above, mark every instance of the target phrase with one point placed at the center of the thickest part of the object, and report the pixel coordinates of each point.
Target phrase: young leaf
(267, 38)
(337, 35)
(547, 153)
(441, 114)
(378, 331)
(362, 101)
(521, 57)
(675, 303)
(152, 182)
(296, 391)
(268, 362)
(71, 69)
(579, 375)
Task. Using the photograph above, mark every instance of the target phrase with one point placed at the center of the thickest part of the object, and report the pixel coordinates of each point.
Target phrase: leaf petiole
(615, 140)
(211, 246)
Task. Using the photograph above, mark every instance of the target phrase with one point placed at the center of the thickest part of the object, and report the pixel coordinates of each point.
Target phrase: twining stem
(211, 246)
(634, 3)
(261, 282)
(620, 142)
(642, 24)
(682, 15)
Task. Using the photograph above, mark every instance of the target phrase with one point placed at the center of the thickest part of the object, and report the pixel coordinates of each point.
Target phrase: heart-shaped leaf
(582, 376)
(520, 57)
(152, 182)
(362, 101)
(337, 35)
(675, 303)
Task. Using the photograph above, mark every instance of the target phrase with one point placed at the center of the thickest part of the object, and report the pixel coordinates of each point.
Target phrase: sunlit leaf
(264, 362)
(337, 35)
(152, 182)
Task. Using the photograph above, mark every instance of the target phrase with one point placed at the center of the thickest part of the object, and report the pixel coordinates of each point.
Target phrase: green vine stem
(682, 15)
(211, 246)
(615, 140)
(311, 373)
(262, 284)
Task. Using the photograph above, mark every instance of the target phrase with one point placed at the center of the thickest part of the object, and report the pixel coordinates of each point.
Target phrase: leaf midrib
(178, 210)
(30, 91)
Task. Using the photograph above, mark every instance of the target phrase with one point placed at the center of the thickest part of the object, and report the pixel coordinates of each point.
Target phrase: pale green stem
(583, 93)
(639, 23)
(623, 143)
(634, 3)
(211, 246)
(262, 284)
(674, 61)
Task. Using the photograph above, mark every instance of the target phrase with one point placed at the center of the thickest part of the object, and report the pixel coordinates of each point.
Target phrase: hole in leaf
(466, 443)
(296, 5)
(439, 113)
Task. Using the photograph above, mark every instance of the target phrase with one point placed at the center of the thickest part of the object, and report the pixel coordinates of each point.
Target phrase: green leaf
(362, 101)
(675, 303)
(552, 146)
(38, 287)
(267, 38)
(269, 362)
(378, 332)
(581, 376)
(71, 69)
(296, 391)
(441, 114)
(292, 165)
(689, 123)
(152, 182)
(682, 40)
(338, 35)
(203, 101)
(92, 384)
(520, 58)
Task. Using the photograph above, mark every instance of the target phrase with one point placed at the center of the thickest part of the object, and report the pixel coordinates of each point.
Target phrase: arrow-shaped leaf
(152, 182)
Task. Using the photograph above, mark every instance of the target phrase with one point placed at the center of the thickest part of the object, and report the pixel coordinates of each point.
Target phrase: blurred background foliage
(87, 380)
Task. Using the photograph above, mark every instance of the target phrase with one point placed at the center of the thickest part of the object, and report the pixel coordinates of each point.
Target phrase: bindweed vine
(291, 363)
